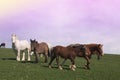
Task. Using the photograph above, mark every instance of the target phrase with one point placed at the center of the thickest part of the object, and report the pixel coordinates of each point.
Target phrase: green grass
(108, 68)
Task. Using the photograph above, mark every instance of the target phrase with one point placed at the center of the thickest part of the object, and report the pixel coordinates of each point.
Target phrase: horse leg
(57, 61)
(23, 58)
(18, 55)
(73, 64)
(88, 62)
(63, 62)
(28, 55)
(98, 57)
(46, 57)
(51, 60)
(36, 57)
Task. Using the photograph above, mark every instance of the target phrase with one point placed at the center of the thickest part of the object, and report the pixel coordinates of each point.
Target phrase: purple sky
(63, 22)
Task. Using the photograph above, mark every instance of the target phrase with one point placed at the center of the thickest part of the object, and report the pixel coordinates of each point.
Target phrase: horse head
(33, 44)
(14, 38)
(100, 50)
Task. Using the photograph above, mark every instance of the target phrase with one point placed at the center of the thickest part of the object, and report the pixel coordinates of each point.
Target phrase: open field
(108, 68)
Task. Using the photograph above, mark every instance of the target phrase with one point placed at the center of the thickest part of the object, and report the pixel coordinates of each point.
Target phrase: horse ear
(36, 42)
(13, 35)
(100, 45)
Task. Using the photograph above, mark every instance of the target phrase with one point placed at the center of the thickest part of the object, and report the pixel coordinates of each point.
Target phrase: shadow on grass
(8, 58)
(28, 62)
(83, 67)
(65, 67)
(56, 67)
(33, 62)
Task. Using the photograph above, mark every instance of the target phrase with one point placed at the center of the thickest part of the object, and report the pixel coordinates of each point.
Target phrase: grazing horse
(39, 48)
(2, 45)
(66, 53)
(19, 46)
(90, 50)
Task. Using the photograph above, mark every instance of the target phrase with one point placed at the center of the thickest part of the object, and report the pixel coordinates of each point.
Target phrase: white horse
(22, 45)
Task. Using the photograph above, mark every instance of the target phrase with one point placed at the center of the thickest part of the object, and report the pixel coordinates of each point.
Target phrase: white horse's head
(14, 38)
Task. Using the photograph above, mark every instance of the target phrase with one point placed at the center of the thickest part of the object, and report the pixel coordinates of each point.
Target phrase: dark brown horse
(2, 45)
(90, 50)
(39, 48)
(66, 53)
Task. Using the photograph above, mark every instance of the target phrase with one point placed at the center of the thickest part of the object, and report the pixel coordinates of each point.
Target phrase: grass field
(108, 68)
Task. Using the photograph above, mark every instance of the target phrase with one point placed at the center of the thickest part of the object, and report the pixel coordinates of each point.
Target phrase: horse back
(63, 52)
(23, 44)
(42, 47)
(94, 48)
(79, 49)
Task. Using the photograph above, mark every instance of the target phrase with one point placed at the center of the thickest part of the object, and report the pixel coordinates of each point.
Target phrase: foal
(39, 48)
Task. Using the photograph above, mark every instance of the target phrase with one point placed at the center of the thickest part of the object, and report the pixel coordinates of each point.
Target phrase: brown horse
(90, 50)
(95, 49)
(2, 45)
(39, 48)
(66, 53)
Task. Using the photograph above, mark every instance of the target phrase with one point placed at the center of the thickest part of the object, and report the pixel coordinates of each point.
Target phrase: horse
(2, 45)
(20, 45)
(95, 49)
(39, 48)
(90, 50)
(65, 53)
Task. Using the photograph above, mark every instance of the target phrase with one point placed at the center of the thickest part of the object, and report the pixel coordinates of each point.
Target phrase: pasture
(107, 68)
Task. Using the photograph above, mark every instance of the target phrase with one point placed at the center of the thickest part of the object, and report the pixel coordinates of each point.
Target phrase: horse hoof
(70, 66)
(29, 60)
(73, 69)
(18, 59)
(84, 67)
(50, 67)
(23, 60)
(60, 68)
(74, 66)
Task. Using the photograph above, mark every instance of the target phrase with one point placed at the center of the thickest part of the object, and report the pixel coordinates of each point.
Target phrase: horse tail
(49, 52)
(53, 52)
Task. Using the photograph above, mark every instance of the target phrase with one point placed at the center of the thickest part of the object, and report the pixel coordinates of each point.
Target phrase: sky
(62, 22)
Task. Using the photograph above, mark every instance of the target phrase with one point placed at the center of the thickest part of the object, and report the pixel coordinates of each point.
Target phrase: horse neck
(13, 45)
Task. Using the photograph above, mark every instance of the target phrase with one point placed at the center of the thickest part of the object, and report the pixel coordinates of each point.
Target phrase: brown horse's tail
(52, 52)
(49, 52)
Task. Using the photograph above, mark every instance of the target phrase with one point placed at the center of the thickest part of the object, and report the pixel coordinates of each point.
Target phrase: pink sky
(63, 22)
